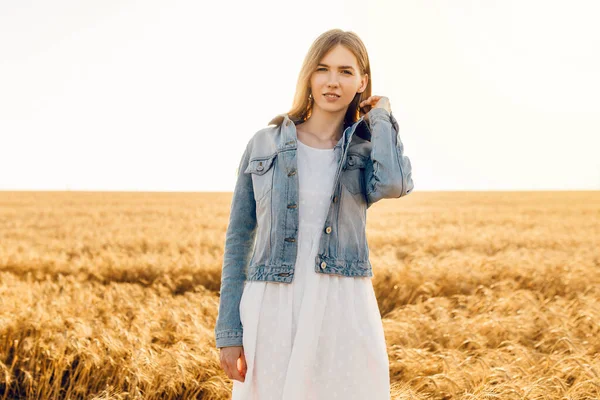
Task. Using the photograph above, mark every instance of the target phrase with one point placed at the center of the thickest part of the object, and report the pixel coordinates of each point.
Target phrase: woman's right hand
(229, 362)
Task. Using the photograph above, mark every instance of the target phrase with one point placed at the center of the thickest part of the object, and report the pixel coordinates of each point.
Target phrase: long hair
(302, 105)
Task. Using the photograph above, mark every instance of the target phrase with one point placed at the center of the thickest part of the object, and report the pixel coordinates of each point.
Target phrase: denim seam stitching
(395, 138)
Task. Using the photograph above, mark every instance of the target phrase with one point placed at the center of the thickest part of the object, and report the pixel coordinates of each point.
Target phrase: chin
(334, 108)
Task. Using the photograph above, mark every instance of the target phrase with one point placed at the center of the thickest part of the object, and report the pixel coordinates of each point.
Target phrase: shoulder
(264, 141)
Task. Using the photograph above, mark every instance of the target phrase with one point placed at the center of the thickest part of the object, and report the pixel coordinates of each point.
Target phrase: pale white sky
(164, 95)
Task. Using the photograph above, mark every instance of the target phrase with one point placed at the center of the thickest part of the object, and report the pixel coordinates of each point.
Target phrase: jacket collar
(289, 136)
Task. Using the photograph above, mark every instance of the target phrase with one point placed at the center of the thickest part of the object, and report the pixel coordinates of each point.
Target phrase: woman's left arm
(390, 175)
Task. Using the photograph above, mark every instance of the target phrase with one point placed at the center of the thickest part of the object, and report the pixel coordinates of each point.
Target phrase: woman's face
(337, 73)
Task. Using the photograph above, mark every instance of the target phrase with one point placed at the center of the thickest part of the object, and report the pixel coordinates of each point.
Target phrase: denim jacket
(260, 242)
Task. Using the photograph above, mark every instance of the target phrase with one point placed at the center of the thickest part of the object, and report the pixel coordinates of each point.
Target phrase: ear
(363, 83)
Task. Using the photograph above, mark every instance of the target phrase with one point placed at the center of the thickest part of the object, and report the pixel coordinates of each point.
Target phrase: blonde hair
(302, 105)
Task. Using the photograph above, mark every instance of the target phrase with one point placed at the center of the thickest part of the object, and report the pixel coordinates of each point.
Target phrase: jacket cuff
(381, 114)
(229, 338)
(378, 113)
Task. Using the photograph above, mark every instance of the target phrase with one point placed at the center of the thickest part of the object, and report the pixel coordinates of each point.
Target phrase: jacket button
(290, 239)
(292, 206)
(350, 161)
(334, 199)
(328, 230)
(260, 168)
(287, 123)
(292, 172)
(323, 265)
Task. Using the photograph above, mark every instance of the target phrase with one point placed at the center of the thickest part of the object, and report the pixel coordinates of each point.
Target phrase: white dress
(321, 336)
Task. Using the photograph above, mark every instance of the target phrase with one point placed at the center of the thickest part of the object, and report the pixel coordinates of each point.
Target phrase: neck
(326, 126)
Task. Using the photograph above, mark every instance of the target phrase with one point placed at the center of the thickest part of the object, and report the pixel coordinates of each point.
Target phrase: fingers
(229, 363)
(243, 366)
(236, 373)
(372, 100)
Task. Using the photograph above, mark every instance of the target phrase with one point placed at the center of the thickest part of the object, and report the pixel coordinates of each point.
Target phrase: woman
(298, 317)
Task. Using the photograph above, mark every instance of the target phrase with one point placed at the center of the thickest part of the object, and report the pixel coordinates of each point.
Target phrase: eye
(323, 69)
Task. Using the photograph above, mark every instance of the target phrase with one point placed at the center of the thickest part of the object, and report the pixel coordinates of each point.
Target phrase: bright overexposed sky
(164, 95)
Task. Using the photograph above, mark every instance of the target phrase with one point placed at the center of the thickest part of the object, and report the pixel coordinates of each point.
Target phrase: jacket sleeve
(239, 243)
(389, 173)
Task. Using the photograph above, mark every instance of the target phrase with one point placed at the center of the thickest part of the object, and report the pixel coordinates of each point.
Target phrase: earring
(310, 96)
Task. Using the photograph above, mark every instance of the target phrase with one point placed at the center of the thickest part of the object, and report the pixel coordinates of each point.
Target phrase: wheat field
(484, 295)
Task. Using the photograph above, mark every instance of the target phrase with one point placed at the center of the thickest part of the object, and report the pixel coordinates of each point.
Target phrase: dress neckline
(314, 148)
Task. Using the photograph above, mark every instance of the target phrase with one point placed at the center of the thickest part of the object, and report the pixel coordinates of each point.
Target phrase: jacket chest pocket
(261, 170)
(353, 176)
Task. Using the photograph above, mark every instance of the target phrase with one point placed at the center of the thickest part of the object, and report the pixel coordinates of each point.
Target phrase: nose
(333, 80)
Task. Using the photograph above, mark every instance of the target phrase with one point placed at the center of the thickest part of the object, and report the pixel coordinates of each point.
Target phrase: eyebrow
(340, 67)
